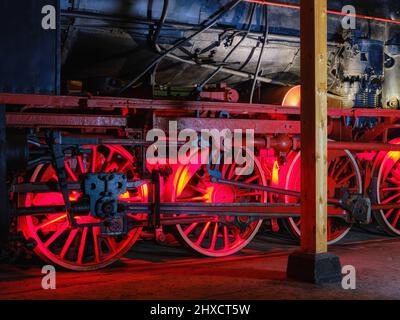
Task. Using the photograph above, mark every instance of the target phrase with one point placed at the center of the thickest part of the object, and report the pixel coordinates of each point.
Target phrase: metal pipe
(264, 43)
(265, 210)
(293, 6)
(28, 211)
(241, 74)
(386, 206)
(40, 187)
(290, 193)
(207, 26)
(244, 37)
(363, 146)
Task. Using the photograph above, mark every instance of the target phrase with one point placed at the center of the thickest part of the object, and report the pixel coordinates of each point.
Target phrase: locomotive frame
(68, 123)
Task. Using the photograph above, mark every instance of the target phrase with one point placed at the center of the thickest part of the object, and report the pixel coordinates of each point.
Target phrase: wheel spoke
(190, 228)
(329, 229)
(112, 245)
(391, 189)
(68, 243)
(231, 172)
(201, 179)
(387, 214)
(110, 156)
(198, 189)
(332, 167)
(387, 200)
(395, 174)
(56, 234)
(122, 169)
(45, 224)
(393, 180)
(251, 179)
(94, 159)
(240, 173)
(203, 233)
(82, 245)
(347, 178)
(223, 170)
(394, 223)
(342, 168)
(108, 165)
(96, 248)
(80, 164)
(214, 237)
(70, 172)
(226, 237)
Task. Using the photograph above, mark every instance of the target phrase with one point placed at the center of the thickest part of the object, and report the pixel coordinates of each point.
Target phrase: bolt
(107, 208)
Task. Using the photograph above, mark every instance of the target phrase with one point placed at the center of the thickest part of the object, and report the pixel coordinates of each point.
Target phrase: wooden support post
(313, 263)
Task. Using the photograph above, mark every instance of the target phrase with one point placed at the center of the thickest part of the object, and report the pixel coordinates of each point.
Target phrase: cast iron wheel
(343, 172)
(221, 235)
(386, 189)
(82, 248)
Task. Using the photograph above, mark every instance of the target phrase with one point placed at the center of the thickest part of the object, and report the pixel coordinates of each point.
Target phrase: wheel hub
(103, 190)
(222, 194)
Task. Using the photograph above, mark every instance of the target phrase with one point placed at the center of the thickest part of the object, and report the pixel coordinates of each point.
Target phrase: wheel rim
(388, 191)
(221, 235)
(81, 248)
(343, 172)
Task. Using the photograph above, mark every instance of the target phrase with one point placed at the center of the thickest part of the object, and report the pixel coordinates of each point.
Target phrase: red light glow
(74, 196)
(275, 174)
(125, 195)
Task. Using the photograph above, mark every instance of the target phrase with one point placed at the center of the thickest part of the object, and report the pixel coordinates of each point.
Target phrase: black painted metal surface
(4, 213)
(29, 59)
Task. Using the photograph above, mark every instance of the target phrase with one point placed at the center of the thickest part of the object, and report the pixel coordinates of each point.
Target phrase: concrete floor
(156, 272)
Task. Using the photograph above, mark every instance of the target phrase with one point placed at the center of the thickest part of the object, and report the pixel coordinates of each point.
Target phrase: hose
(161, 22)
(207, 26)
(240, 74)
(212, 75)
(265, 41)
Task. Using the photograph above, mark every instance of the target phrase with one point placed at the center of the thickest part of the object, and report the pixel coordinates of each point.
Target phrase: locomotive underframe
(88, 114)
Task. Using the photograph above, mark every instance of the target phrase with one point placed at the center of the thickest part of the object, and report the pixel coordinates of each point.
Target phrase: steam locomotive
(80, 99)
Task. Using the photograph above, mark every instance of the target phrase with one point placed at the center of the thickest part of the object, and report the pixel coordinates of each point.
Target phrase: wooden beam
(313, 263)
(314, 125)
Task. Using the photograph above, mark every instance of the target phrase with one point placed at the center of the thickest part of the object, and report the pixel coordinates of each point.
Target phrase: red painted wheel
(221, 235)
(343, 172)
(81, 248)
(386, 188)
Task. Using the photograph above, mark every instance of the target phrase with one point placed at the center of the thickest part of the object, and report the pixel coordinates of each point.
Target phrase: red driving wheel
(343, 172)
(81, 248)
(386, 189)
(222, 235)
